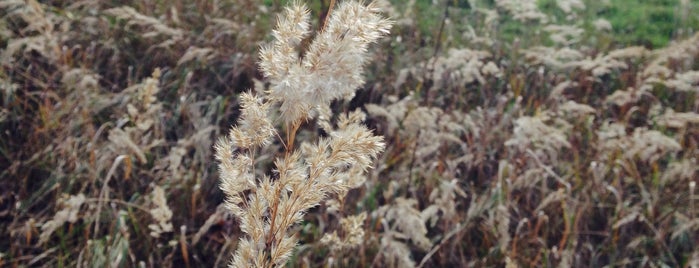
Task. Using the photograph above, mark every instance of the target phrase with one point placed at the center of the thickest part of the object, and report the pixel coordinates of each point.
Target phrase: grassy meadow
(515, 133)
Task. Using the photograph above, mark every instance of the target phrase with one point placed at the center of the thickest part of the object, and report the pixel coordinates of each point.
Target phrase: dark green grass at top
(650, 22)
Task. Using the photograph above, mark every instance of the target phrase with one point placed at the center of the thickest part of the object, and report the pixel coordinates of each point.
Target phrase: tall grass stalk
(301, 88)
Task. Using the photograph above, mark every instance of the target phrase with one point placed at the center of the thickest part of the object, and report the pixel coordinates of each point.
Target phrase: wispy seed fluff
(254, 127)
(268, 207)
(254, 130)
(331, 67)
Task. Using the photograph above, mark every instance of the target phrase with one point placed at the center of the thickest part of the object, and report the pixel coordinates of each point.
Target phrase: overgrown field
(516, 133)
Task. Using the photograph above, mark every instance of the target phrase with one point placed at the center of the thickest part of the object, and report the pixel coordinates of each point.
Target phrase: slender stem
(290, 137)
(437, 47)
(412, 160)
(460, 227)
(327, 15)
(104, 193)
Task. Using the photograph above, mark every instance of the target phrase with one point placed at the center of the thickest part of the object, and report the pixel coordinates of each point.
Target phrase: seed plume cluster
(269, 206)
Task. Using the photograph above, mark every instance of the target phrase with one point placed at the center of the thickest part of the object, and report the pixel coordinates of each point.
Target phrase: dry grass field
(323, 133)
